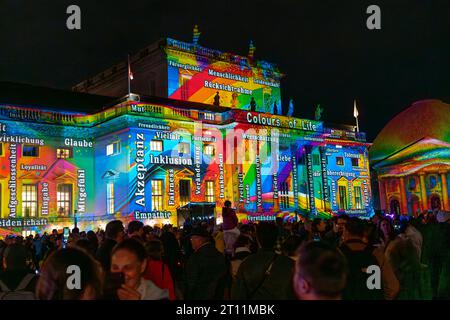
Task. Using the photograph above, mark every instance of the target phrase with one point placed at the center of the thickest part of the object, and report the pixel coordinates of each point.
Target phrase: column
(382, 193)
(386, 189)
(404, 202)
(423, 192)
(446, 205)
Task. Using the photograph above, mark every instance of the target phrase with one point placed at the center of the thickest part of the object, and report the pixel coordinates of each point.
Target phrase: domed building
(411, 159)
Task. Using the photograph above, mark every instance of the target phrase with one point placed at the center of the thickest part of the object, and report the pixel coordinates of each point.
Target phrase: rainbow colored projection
(411, 157)
(144, 160)
(209, 76)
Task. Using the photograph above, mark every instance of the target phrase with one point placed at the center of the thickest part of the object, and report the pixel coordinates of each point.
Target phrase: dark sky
(323, 46)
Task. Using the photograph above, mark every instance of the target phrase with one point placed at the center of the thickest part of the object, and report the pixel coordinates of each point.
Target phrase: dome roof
(425, 118)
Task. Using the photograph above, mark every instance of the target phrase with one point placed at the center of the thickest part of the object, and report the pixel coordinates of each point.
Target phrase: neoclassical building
(411, 159)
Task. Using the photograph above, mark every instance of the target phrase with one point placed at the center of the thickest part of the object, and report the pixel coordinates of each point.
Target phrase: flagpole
(357, 125)
(128, 76)
(356, 114)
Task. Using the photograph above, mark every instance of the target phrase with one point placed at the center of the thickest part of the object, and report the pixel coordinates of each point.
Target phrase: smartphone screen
(66, 233)
(113, 281)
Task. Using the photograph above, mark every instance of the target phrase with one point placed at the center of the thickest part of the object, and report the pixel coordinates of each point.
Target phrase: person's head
(136, 228)
(58, 267)
(386, 229)
(15, 257)
(54, 232)
(242, 241)
(75, 230)
(354, 229)
(341, 222)
(130, 258)
(92, 237)
(318, 225)
(155, 249)
(320, 272)
(84, 244)
(199, 236)
(291, 245)
(227, 204)
(376, 217)
(148, 233)
(115, 230)
(266, 235)
(245, 229)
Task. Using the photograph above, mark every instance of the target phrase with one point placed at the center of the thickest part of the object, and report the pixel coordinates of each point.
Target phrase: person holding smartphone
(130, 259)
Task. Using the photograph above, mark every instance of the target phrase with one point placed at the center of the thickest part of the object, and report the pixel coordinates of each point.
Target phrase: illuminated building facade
(411, 157)
(144, 157)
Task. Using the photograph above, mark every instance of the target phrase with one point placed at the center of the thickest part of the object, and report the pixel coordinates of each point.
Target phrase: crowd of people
(343, 258)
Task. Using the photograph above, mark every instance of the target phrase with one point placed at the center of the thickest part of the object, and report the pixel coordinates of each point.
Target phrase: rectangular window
(358, 197)
(284, 195)
(185, 192)
(210, 191)
(247, 150)
(63, 153)
(110, 198)
(29, 200)
(30, 151)
(64, 199)
(185, 86)
(156, 145)
(355, 162)
(315, 160)
(343, 198)
(157, 195)
(113, 148)
(183, 148)
(209, 150)
(340, 161)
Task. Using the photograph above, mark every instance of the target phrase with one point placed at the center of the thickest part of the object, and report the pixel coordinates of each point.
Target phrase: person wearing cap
(206, 268)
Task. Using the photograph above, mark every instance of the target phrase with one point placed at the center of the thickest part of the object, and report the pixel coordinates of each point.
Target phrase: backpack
(19, 293)
(357, 262)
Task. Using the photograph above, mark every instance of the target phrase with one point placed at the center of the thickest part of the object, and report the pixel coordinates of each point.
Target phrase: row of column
(384, 201)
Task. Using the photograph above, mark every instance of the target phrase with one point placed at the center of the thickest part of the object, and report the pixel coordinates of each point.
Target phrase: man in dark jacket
(265, 275)
(334, 236)
(114, 233)
(206, 269)
(17, 274)
(359, 257)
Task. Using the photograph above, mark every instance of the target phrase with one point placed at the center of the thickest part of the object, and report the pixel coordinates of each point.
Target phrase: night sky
(323, 47)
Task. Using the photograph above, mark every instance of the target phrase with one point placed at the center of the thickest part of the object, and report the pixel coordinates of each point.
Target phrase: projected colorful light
(198, 74)
(143, 161)
(411, 157)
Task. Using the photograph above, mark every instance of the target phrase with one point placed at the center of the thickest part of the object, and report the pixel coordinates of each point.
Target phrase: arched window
(433, 181)
(412, 183)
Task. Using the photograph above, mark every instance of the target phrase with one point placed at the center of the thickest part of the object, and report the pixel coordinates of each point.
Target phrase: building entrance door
(395, 206)
(185, 191)
(435, 202)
